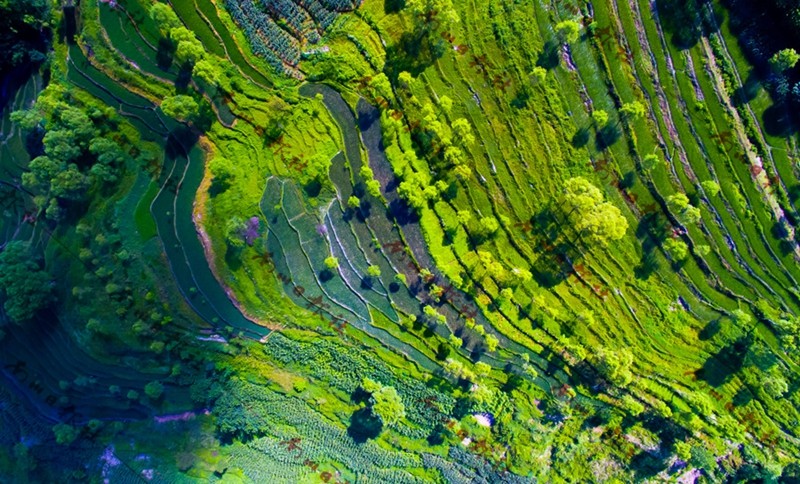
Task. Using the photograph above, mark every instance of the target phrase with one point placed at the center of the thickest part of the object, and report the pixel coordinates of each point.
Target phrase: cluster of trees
(81, 149)
(595, 221)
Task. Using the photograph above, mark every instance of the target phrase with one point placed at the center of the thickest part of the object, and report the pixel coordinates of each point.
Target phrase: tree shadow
(165, 54)
(218, 186)
(399, 211)
(364, 426)
(393, 6)
(313, 188)
(413, 53)
(646, 465)
(607, 136)
(748, 91)
(550, 56)
(581, 138)
(719, 368)
(742, 397)
(778, 121)
(682, 20)
(710, 330)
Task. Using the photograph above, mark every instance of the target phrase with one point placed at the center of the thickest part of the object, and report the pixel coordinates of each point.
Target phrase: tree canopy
(385, 402)
(594, 220)
(25, 285)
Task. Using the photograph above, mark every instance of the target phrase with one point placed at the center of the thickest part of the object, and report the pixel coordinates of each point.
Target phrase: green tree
(784, 59)
(685, 212)
(488, 226)
(710, 187)
(677, 249)
(65, 433)
(600, 118)
(234, 232)
(69, 184)
(775, 385)
(615, 366)
(427, 12)
(164, 17)
(181, 107)
(491, 342)
(26, 286)
(374, 271)
(632, 110)
(568, 31)
(154, 390)
(353, 202)
(331, 262)
(188, 49)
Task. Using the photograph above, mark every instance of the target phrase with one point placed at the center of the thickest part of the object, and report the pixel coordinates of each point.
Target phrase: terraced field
(330, 201)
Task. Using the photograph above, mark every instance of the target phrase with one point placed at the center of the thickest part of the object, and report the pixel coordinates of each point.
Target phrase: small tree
(491, 342)
(632, 110)
(677, 249)
(373, 271)
(784, 60)
(154, 390)
(568, 31)
(331, 262)
(600, 118)
(65, 433)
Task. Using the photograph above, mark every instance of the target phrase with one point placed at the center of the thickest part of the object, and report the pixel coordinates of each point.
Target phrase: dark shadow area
(682, 21)
(364, 426)
(742, 397)
(549, 57)
(727, 362)
(778, 121)
(437, 435)
(393, 6)
(443, 351)
(581, 138)
(413, 53)
(746, 93)
(710, 330)
(399, 211)
(313, 188)
(325, 275)
(627, 180)
(651, 228)
(522, 98)
(218, 186)
(165, 54)
(462, 407)
(233, 258)
(646, 465)
(359, 396)
(607, 136)
(68, 26)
